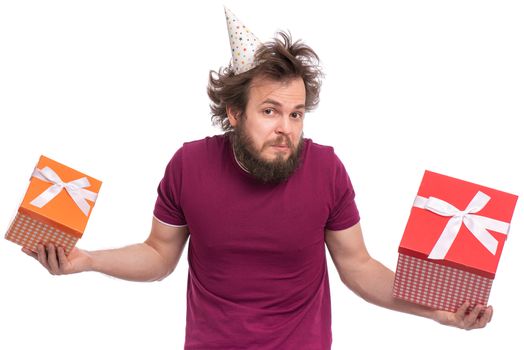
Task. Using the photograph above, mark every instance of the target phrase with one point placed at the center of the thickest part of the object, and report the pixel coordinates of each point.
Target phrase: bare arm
(373, 281)
(152, 260)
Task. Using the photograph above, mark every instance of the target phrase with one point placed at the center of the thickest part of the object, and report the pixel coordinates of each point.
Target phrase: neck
(238, 162)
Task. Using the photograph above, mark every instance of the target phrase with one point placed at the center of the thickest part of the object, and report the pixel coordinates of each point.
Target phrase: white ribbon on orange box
(476, 224)
(75, 188)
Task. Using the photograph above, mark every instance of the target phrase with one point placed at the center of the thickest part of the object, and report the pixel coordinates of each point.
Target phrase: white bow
(476, 224)
(75, 188)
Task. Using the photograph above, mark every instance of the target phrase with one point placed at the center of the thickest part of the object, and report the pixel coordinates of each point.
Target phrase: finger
(461, 311)
(62, 259)
(483, 320)
(30, 253)
(42, 255)
(52, 259)
(471, 319)
(491, 313)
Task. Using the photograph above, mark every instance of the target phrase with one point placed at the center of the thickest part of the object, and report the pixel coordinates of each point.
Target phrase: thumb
(30, 253)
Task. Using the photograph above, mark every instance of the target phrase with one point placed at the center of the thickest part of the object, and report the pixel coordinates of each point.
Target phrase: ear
(232, 116)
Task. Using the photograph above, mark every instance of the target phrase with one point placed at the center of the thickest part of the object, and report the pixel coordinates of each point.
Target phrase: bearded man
(260, 203)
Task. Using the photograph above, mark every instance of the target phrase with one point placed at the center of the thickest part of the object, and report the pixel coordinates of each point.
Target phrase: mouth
(280, 147)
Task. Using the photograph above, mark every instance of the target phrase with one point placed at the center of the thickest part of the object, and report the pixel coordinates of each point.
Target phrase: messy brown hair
(279, 59)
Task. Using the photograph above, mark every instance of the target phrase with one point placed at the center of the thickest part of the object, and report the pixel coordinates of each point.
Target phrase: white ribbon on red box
(476, 224)
(75, 188)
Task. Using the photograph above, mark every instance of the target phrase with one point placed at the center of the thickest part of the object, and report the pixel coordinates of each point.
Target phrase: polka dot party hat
(243, 44)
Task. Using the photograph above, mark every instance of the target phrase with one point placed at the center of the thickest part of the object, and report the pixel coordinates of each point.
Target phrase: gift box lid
(60, 210)
(430, 235)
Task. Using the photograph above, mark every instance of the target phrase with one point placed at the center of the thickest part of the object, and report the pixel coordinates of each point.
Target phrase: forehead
(290, 91)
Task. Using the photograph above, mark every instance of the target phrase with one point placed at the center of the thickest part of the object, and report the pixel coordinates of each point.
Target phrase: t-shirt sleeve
(343, 212)
(168, 208)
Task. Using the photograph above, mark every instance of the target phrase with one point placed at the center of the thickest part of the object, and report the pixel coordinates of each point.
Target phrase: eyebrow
(276, 103)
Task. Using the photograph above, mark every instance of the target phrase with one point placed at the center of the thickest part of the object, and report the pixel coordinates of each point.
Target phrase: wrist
(90, 261)
(436, 315)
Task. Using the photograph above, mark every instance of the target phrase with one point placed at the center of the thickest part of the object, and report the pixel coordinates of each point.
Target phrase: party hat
(243, 44)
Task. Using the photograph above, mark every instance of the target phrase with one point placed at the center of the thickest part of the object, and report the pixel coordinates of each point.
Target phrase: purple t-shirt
(258, 277)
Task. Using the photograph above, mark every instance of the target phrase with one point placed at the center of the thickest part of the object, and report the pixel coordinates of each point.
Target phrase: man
(260, 202)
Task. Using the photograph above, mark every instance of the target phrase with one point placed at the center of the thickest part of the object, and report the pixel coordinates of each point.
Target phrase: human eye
(296, 115)
(268, 111)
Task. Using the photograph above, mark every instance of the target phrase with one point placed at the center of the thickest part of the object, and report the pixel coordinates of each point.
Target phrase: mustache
(281, 139)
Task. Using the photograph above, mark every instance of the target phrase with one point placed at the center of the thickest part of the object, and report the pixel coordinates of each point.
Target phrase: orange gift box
(56, 207)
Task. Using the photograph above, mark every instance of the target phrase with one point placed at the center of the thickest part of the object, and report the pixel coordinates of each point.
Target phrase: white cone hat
(243, 44)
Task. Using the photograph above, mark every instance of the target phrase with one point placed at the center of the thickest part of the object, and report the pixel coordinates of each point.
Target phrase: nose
(283, 126)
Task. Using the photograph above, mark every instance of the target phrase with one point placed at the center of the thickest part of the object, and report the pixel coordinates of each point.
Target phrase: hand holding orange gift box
(56, 207)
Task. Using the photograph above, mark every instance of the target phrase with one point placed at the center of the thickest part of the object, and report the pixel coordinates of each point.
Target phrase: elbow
(355, 278)
(164, 273)
(356, 288)
(160, 267)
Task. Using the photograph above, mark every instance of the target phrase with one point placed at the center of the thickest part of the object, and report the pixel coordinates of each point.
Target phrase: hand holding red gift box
(447, 255)
(467, 316)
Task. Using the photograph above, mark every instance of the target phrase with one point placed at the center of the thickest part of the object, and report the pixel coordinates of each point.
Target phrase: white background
(113, 88)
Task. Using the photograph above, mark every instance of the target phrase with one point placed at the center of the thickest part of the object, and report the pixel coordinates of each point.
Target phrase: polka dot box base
(440, 287)
(28, 232)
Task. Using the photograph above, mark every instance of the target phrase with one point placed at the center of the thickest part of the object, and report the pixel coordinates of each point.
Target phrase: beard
(268, 172)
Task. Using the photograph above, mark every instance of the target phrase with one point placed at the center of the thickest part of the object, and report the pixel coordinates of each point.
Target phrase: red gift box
(452, 243)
